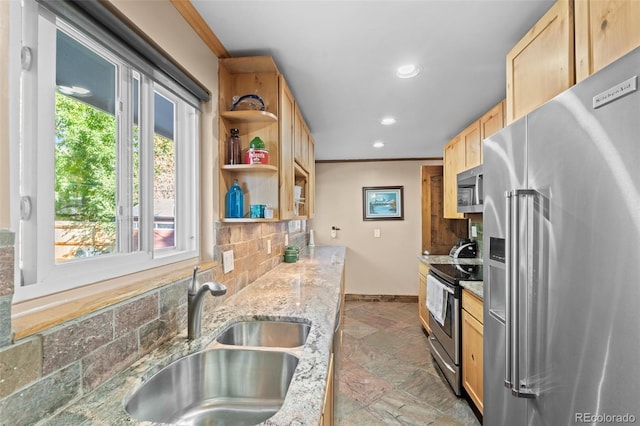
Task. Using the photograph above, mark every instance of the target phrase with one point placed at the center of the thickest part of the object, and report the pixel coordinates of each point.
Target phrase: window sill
(34, 316)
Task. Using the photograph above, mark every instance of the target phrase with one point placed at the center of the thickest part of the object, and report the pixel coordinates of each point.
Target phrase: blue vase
(235, 201)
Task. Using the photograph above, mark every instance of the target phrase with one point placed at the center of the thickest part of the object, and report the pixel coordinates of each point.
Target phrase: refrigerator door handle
(517, 389)
(508, 266)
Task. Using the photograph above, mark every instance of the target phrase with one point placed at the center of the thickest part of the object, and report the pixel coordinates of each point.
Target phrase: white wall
(374, 266)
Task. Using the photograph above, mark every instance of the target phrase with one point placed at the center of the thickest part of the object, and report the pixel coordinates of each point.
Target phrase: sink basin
(216, 387)
(281, 334)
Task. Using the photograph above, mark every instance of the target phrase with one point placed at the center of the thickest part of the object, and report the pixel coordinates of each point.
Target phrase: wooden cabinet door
(492, 121)
(454, 162)
(604, 31)
(311, 167)
(438, 234)
(301, 139)
(472, 358)
(541, 65)
(472, 145)
(327, 406)
(423, 312)
(286, 120)
(304, 155)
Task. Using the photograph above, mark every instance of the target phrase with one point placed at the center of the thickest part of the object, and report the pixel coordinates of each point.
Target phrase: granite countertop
(475, 287)
(304, 291)
(445, 258)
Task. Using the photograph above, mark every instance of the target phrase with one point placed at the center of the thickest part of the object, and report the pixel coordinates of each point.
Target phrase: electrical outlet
(227, 261)
(268, 246)
(474, 231)
(376, 233)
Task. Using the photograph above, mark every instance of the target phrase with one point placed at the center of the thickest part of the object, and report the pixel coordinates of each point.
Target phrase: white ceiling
(339, 58)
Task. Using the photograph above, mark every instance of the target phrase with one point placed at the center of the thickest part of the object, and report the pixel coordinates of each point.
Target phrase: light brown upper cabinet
(605, 30)
(541, 65)
(256, 75)
(311, 207)
(492, 121)
(287, 111)
(472, 145)
(454, 163)
(301, 139)
(272, 184)
(464, 152)
(304, 167)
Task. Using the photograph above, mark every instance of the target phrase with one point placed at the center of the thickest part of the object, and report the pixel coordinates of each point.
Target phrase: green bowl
(290, 258)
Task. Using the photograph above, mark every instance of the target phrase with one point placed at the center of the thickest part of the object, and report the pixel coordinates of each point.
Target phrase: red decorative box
(257, 156)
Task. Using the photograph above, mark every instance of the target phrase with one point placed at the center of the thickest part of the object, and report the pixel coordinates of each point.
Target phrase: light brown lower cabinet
(327, 408)
(423, 312)
(472, 347)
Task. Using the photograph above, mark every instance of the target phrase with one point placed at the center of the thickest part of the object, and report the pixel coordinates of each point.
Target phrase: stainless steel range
(444, 301)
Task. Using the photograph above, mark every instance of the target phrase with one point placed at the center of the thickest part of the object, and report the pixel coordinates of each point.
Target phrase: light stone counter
(445, 258)
(475, 287)
(305, 291)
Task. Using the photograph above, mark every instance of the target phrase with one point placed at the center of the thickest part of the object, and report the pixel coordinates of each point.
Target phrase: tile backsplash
(7, 250)
(477, 222)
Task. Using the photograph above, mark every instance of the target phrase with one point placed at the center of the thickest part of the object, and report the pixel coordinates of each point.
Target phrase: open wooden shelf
(248, 220)
(250, 116)
(256, 168)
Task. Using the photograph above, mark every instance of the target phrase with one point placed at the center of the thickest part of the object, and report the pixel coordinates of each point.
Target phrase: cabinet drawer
(472, 304)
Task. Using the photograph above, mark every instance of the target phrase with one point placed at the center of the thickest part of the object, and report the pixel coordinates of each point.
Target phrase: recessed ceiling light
(378, 144)
(388, 121)
(73, 90)
(407, 71)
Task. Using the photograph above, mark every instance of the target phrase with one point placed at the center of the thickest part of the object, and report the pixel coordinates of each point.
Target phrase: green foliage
(86, 171)
(85, 166)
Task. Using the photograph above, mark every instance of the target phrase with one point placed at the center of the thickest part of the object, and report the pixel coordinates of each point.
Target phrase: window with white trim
(108, 160)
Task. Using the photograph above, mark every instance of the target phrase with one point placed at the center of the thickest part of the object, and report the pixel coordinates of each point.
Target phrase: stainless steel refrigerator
(562, 258)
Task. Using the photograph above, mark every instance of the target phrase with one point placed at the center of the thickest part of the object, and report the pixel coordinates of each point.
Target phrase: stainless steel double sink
(242, 379)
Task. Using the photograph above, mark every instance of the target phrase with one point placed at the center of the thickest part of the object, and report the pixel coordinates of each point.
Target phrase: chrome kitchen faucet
(194, 302)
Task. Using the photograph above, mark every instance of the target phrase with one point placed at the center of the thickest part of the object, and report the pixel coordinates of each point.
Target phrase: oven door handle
(440, 357)
(443, 284)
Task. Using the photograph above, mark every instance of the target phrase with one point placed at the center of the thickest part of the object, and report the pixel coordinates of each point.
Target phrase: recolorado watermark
(604, 418)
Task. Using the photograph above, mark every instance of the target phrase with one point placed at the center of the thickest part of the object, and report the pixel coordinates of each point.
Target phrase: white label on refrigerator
(617, 91)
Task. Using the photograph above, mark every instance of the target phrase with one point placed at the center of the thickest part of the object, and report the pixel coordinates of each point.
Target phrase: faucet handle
(193, 286)
(216, 288)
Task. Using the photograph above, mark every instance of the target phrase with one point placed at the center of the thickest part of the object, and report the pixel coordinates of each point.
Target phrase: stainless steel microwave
(470, 190)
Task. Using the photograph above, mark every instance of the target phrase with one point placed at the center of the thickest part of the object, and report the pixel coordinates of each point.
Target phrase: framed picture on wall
(383, 203)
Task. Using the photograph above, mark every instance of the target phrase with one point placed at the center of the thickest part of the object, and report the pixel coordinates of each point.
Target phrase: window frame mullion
(124, 166)
(29, 114)
(186, 224)
(146, 122)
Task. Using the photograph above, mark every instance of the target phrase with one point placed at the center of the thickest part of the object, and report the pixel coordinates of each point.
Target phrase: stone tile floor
(386, 374)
